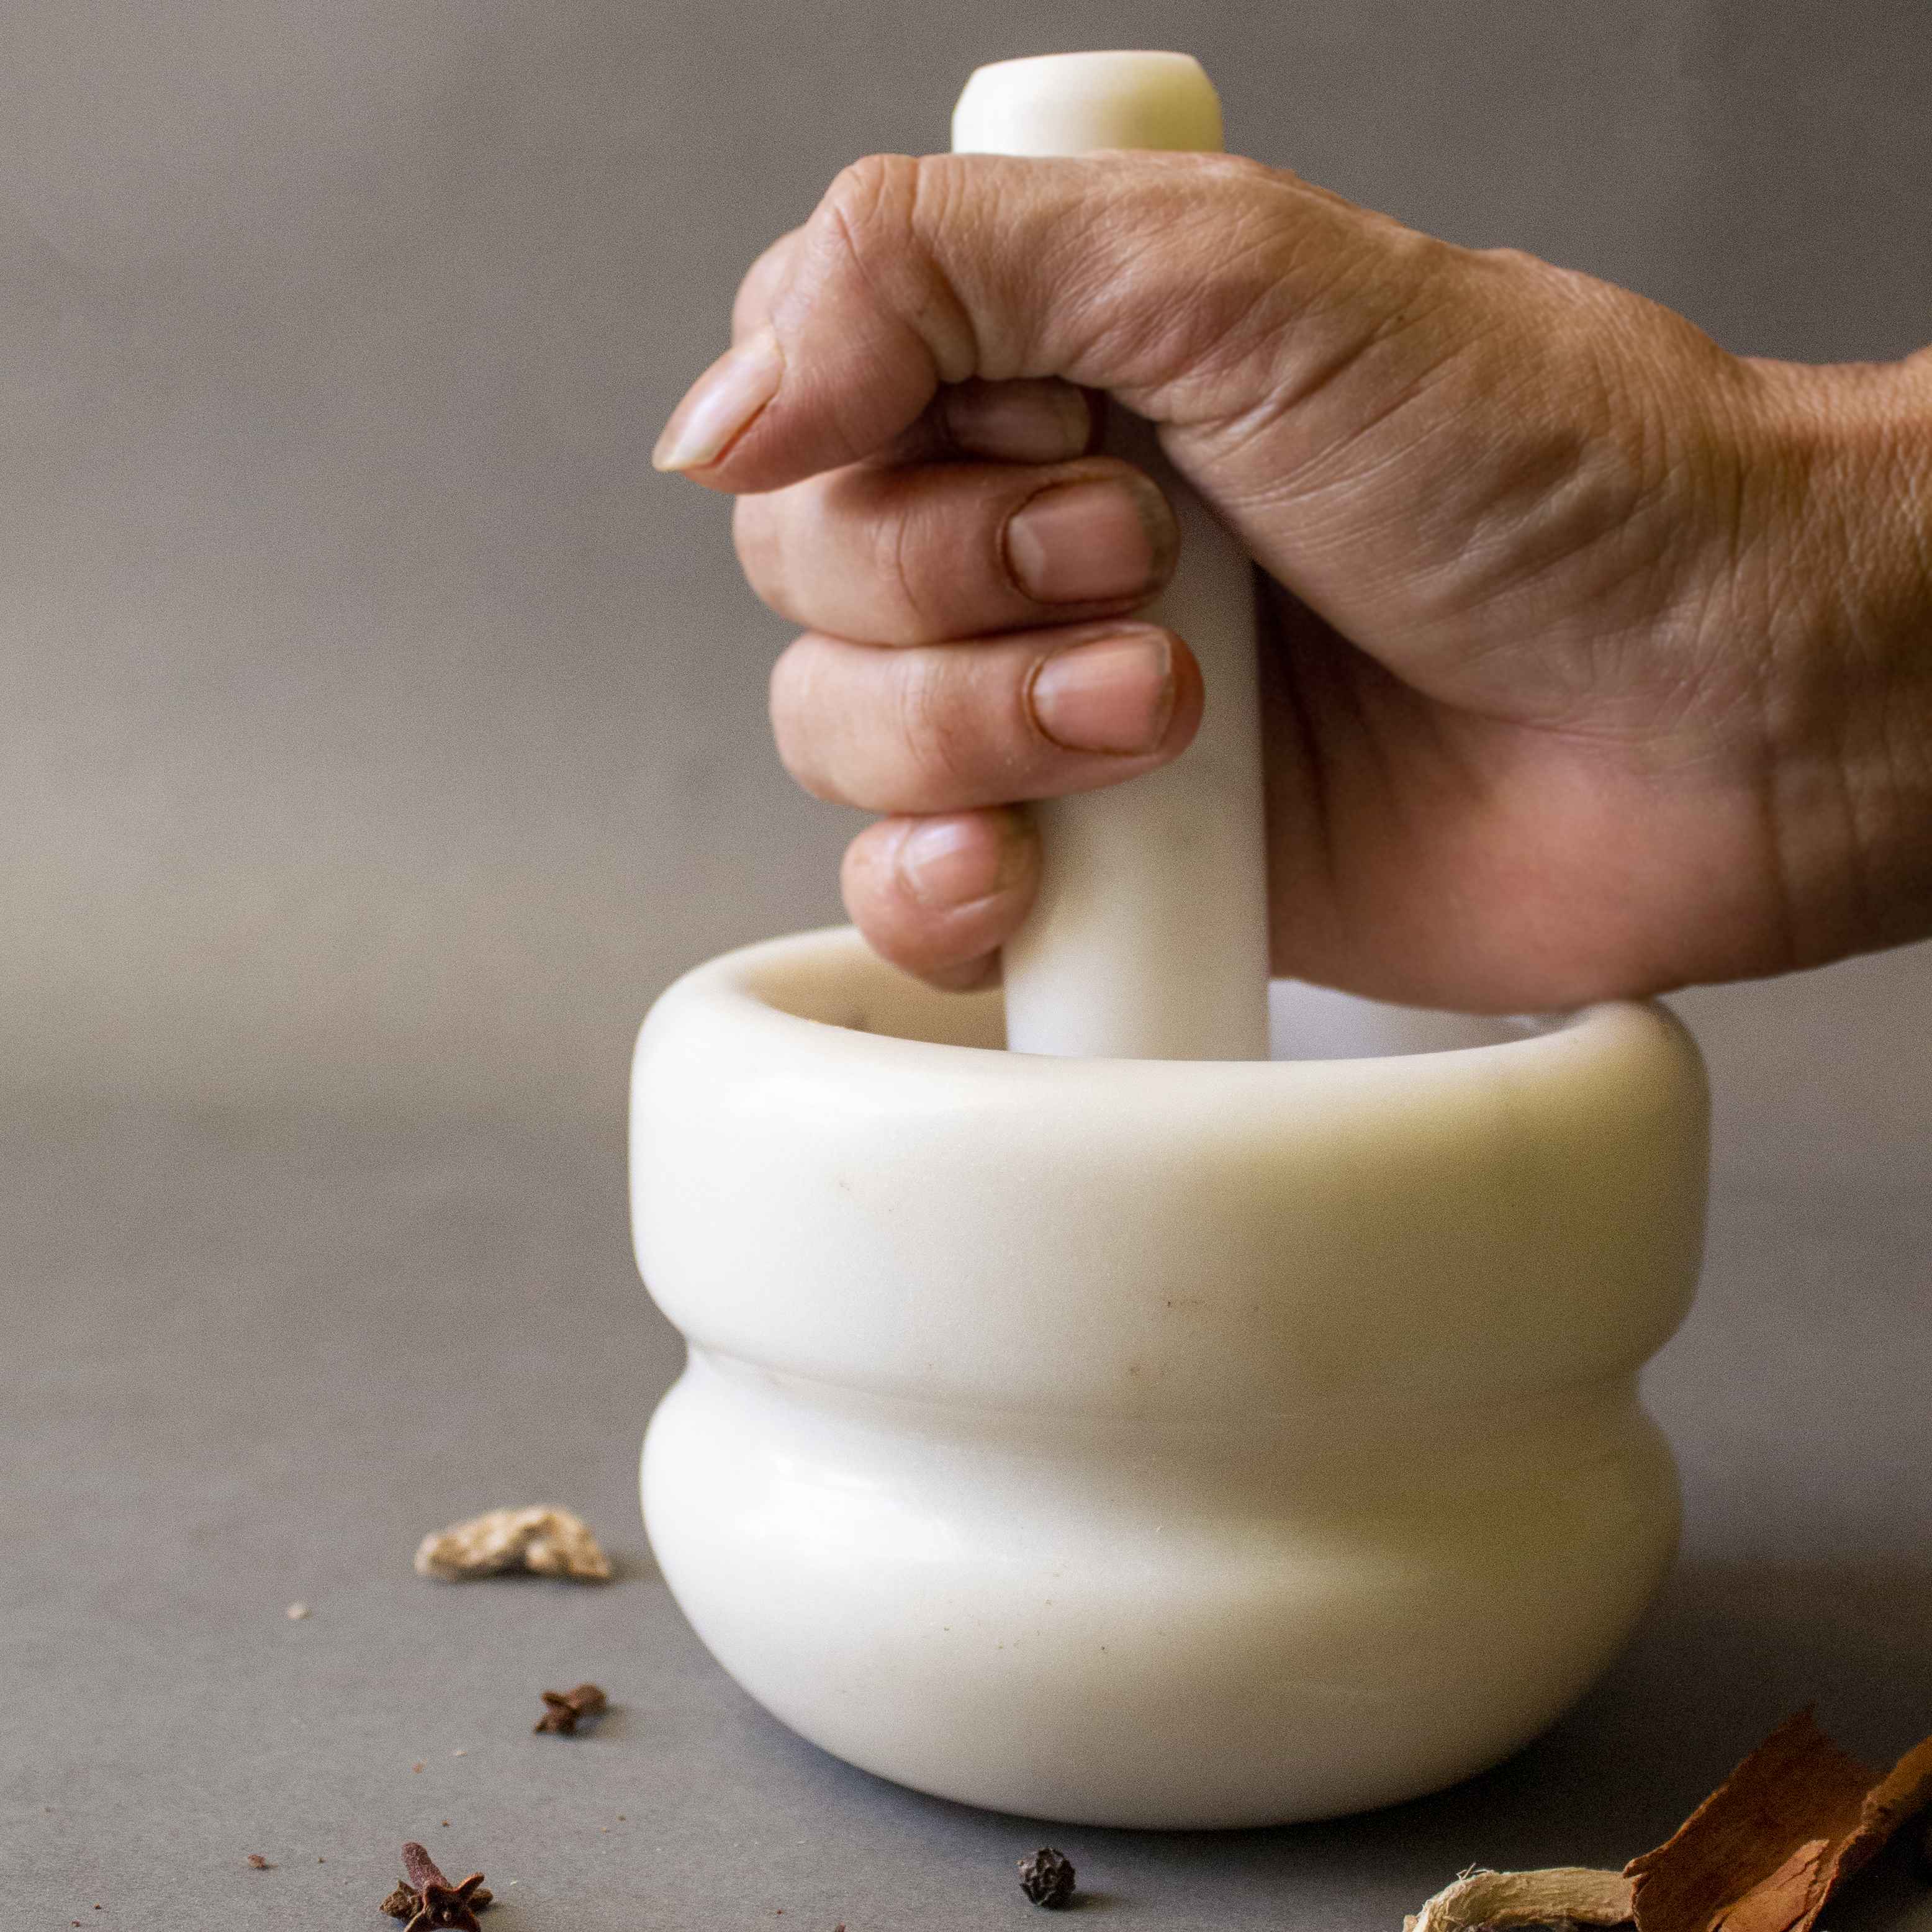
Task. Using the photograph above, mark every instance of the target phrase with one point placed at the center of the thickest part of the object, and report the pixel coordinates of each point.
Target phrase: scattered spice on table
(547, 1540)
(568, 1708)
(1766, 1851)
(1047, 1878)
(428, 1902)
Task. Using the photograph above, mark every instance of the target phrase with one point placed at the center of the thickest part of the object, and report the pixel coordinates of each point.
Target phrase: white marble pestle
(1149, 941)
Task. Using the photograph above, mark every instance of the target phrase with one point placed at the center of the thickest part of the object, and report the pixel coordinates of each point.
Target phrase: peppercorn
(1047, 1878)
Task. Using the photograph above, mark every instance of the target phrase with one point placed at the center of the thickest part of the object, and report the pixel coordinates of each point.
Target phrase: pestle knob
(1150, 938)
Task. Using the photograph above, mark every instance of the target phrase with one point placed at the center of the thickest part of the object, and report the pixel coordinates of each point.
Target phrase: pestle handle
(1149, 939)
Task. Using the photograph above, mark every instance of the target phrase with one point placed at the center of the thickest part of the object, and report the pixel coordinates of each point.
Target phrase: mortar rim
(727, 987)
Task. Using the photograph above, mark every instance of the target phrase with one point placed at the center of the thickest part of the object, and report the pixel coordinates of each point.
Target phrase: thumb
(1209, 294)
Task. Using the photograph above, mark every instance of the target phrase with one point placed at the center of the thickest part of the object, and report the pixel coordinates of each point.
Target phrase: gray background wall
(377, 734)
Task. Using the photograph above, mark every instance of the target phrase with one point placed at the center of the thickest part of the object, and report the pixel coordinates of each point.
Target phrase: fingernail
(719, 406)
(1117, 695)
(1080, 542)
(1019, 421)
(952, 861)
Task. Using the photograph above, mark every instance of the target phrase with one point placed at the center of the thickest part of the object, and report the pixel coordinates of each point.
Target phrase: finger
(1019, 421)
(939, 896)
(914, 557)
(948, 727)
(752, 308)
(1198, 288)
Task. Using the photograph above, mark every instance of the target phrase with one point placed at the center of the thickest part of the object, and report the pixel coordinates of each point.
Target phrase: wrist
(1849, 634)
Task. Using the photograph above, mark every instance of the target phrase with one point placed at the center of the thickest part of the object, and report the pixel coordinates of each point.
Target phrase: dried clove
(427, 1900)
(551, 1542)
(568, 1708)
(1047, 1878)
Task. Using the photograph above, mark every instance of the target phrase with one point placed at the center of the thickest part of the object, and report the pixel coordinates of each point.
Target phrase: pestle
(1149, 939)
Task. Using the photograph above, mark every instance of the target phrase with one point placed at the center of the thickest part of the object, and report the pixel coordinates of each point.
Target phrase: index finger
(1154, 277)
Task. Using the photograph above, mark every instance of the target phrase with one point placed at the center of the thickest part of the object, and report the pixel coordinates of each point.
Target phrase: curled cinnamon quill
(1765, 1851)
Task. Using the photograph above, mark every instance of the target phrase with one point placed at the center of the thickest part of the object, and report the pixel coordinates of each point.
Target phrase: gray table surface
(253, 1359)
(377, 736)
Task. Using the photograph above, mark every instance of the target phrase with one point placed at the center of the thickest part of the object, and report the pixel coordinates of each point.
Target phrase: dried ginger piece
(551, 1542)
(1558, 1895)
(1765, 1851)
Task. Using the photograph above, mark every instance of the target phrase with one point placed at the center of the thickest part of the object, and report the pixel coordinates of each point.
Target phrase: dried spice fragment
(1047, 1878)
(1765, 1851)
(429, 1902)
(1574, 1894)
(568, 1708)
(259, 1863)
(552, 1542)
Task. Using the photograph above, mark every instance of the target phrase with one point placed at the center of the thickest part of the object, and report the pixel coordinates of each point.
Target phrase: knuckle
(870, 201)
(870, 884)
(899, 559)
(1237, 174)
(795, 700)
(762, 280)
(901, 931)
(755, 537)
(933, 727)
(949, 950)
(873, 232)
(953, 748)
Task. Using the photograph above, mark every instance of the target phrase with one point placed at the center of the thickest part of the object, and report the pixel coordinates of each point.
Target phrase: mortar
(1157, 1442)
(1132, 1429)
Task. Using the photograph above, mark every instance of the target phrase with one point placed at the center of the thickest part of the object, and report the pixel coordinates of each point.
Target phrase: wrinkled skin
(1598, 660)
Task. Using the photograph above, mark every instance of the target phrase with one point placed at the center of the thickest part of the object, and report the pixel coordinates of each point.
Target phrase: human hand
(1598, 661)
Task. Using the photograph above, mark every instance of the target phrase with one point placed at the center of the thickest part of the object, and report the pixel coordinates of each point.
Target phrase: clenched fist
(1598, 661)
